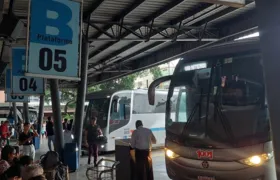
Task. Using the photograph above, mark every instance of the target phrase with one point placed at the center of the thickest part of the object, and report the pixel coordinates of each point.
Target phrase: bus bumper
(177, 171)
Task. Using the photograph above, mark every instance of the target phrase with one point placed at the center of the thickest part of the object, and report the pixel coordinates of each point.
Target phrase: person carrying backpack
(92, 133)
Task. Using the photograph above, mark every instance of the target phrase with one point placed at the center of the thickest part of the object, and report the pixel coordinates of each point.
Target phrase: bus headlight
(257, 160)
(171, 154)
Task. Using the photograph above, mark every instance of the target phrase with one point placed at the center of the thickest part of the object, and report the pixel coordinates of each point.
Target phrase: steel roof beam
(210, 18)
(138, 25)
(175, 21)
(147, 19)
(133, 6)
(154, 39)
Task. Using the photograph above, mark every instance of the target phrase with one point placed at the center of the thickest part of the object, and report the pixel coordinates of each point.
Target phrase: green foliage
(48, 96)
(126, 82)
(156, 72)
(68, 116)
(65, 95)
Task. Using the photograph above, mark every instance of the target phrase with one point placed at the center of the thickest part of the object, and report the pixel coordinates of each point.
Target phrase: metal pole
(15, 113)
(268, 13)
(81, 94)
(41, 113)
(26, 112)
(59, 139)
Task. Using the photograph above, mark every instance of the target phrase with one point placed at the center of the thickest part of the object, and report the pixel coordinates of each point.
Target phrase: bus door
(120, 113)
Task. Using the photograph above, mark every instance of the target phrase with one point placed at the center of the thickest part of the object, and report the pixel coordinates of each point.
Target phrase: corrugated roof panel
(237, 12)
(21, 8)
(111, 8)
(147, 8)
(87, 4)
(178, 11)
(110, 50)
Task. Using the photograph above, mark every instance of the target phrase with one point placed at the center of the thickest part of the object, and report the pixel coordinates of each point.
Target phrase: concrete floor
(158, 164)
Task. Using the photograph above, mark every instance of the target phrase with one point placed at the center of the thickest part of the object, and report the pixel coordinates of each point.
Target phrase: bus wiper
(190, 118)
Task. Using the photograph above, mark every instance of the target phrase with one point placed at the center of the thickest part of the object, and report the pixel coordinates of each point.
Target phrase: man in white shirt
(142, 140)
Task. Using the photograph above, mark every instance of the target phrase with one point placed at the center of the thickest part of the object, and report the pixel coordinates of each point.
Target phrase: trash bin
(71, 156)
(126, 156)
(36, 142)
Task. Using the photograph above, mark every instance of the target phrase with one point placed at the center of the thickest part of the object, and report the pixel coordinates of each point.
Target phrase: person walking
(26, 140)
(142, 140)
(50, 133)
(91, 133)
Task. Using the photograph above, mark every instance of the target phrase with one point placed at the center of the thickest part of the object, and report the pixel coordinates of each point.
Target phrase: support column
(59, 139)
(81, 94)
(41, 113)
(15, 113)
(269, 27)
(26, 112)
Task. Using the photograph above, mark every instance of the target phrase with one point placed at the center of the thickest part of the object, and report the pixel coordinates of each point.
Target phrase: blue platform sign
(54, 39)
(21, 84)
(9, 96)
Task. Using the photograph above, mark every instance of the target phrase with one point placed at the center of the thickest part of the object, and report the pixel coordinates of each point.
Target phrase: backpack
(50, 160)
(53, 167)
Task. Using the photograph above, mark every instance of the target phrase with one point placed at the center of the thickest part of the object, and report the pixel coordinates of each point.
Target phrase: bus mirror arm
(152, 88)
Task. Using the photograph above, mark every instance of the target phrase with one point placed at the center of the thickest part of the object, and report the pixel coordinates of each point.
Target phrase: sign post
(9, 96)
(21, 84)
(54, 39)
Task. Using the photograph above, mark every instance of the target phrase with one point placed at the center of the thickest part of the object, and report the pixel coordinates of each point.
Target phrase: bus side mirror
(152, 88)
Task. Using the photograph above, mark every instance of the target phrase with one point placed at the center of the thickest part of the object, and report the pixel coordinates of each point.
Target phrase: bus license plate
(205, 178)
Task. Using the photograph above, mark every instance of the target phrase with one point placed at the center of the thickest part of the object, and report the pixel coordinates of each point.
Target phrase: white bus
(117, 112)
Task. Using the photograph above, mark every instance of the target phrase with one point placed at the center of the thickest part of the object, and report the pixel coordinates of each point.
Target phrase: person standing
(64, 124)
(5, 134)
(91, 133)
(26, 140)
(43, 131)
(142, 140)
(50, 133)
(35, 125)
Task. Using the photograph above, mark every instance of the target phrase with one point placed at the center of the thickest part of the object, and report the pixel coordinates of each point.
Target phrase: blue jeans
(51, 139)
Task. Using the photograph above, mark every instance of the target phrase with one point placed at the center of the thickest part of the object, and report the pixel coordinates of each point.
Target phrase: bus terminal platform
(80, 174)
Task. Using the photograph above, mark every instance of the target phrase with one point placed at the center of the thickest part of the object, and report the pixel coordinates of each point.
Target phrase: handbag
(101, 140)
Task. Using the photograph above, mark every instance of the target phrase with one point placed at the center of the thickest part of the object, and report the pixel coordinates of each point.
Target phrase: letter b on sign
(51, 20)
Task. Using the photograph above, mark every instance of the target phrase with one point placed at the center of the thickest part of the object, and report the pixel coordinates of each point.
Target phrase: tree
(126, 82)
(48, 96)
(66, 95)
(156, 72)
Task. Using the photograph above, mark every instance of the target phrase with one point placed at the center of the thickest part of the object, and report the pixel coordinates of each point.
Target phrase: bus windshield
(98, 108)
(222, 106)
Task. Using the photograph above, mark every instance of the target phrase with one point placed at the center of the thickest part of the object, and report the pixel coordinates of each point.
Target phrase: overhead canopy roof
(129, 35)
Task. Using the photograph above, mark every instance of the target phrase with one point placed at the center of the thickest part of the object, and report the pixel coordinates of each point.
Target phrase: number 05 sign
(54, 39)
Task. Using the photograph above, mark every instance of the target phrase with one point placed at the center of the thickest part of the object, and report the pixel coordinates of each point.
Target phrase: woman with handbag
(92, 132)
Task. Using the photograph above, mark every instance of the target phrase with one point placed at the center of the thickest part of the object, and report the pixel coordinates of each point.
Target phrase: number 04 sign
(21, 84)
(54, 39)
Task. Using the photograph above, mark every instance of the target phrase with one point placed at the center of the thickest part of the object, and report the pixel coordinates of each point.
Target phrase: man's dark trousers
(144, 165)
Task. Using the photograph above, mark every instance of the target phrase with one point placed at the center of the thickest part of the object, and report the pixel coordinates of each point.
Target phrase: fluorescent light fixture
(256, 34)
(195, 66)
